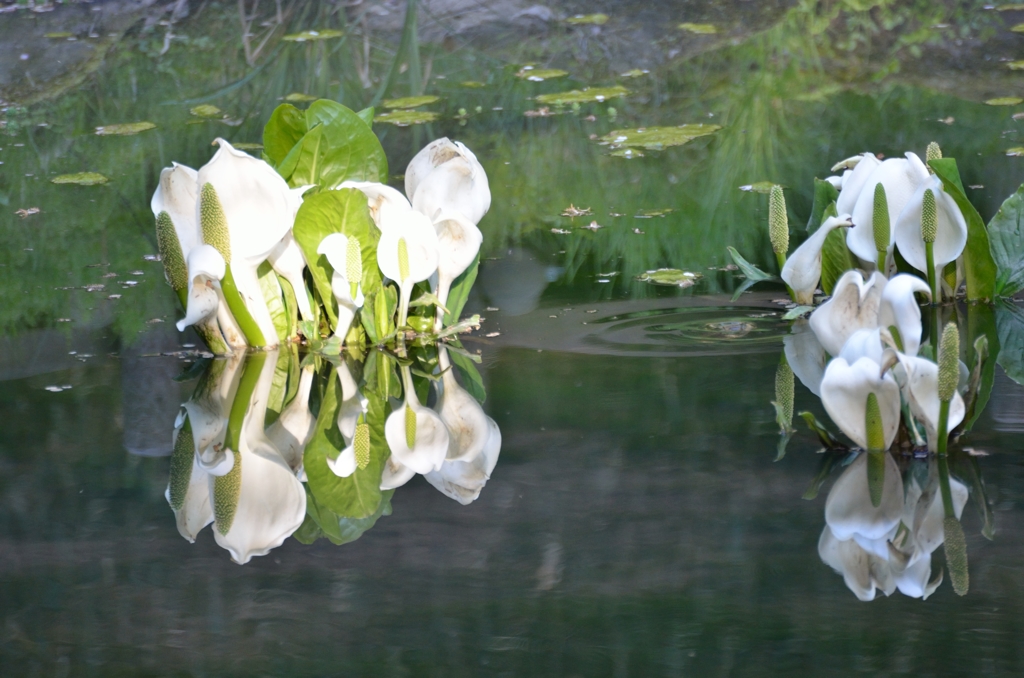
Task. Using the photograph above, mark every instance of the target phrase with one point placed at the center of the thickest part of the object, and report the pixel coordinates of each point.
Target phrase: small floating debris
(410, 102)
(156, 257)
(650, 214)
(472, 84)
(572, 211)
(59, 35)
(588, 19)
(109, 275)
(313, 36)
(124, 129)
(699, 29)
(1015, 152)
(635, 73)
(561, 231)
(27, 212)
(540, 74)
(491, 335)
(583, 96)
(947, 121)
(1004, 101)
(1016, 65)
(206, 111)
(759, 187)
(96, 287)
(300, 98)
(672, 277)
(612, 274)
(63, 320)
(657, 138)
(80, 178)
(404, 118)
(637, 231)
(593, 226)
(115, 297)
(57, 389)
(541, 112)
(975, 187)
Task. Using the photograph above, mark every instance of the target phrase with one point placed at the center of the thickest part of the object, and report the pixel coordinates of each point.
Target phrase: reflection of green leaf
(404, 118)
(1007, 240)
(829, 460)
(343, 211)
(656, 138)
(471, 379)
(124, 129)
(359, 495)
(1010, 325)
(586, 95)
(459, 294)
(322, 522)
(273, 297)
(980, 269)
(80, 178)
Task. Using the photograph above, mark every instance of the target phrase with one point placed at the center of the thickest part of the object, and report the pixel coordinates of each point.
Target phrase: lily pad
(1019, 28)
(1015, 152)
(405, 118)
(635, 73)
(540, 74)
(582, 96)
(310, 36)
(248, 146)
(299, 98)
(1004, 101)
(1010, 8)
(59, 35)
(472, 84)
(759, 187)
(591, 19)
(206, 111)
(1015, 65)
(124, 129)
(656, 138)
(649, 214)
(81, 178)
(699, 29)
(629, 153)
(670, 276)
(410, 102)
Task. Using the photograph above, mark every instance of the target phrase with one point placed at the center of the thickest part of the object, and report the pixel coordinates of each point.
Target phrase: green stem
(943, 425)
(947, 494)
(404, 291)
(253, 335)
(932, 278)
(240, 407)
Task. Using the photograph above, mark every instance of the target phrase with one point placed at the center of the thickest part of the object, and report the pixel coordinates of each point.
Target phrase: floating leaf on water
(648, 214)
(947, 121)
(1019, 28)
(540, 74)
(670, 276)
(582, 96)
(410, 102)
(404, 118)
(592, 19)
(1004, 101)
(635, 73)
(59, 35)
(206, 111)
(656, 138)
(247, 146)
(699, 29)
(1015, 152)
(124, 129)
(472, 84)
(299, 98)
(1015, 65)
(1010, 8)
(81, 178)
(759, 187)
(307, 36)
(541, 112)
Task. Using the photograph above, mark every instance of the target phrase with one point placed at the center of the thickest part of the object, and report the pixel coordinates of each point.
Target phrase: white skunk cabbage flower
(802, 270)
(416, 435)
(345, 256)
(407, 252)
(863, 403)
(853, 306)
(468, 428)
(900, 178)
(188, 489)
(463, 480)
(922, 393)
(863, 571)
(858, 169)
(294, 427)
(445, 176)
(898, 309)
(950, 227)
(849, 512)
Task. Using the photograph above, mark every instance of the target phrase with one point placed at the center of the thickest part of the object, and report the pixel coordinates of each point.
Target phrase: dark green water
(636, 524)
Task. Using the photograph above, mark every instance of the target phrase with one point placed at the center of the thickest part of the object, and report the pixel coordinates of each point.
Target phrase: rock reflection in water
(272, 446)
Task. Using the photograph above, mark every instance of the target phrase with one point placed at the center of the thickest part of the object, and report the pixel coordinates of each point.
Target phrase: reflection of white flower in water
(416, 435)
(352, 407)
(188, 490)
(294, 427)
(848, 391)
(805, 355)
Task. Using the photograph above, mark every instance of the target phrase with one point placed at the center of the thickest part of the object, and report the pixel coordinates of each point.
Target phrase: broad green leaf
(471, 379)
(339, 530)
(459, 294)
(1007, 240)
(1010, 326)
(368, 320)
(825, 194)
(291, 305)
(287, 125)
(350, 150)
(359, 495)
(385, 305)
(304, 163)
(279, 387)
(366, 115)
(273, 297)
(342, 211)
(980, 268)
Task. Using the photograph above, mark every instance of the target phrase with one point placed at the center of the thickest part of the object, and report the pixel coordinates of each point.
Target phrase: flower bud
(778, 222)
(949, 362)
(933, 152)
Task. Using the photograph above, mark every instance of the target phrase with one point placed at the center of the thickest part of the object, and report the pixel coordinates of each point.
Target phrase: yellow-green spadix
(419, 425)
(802, 270)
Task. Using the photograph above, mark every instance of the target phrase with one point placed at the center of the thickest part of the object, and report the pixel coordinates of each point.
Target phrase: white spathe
(353, 405)
(844, 393)
(848, 509)
(853, 306)
(805, 355)
(898, 308)
(196, 512)
(863, 570)
(420, 242)
(468, 428)
(294, 426)
(950, 233)
(922, 393)
(854, 180)
(445, 176)
(287, 260)
(176, 195)
(864, 343)
(463, 480)
(335, 248)
(900, 178)
(376, 196)
(205, 271)
(802, 269)
(430, 444)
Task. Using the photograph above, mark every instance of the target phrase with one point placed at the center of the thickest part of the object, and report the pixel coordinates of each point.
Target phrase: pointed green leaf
(1006, 231)
(459, 293)
(284, 129)
(979, 266)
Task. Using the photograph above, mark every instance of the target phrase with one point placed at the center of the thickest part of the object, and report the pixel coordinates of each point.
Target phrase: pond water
(637, 522)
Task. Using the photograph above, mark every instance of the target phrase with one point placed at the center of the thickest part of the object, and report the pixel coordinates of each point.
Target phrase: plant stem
(943, 425)
(240, 406)
(253, 335)
(947, 494)
(932, 277)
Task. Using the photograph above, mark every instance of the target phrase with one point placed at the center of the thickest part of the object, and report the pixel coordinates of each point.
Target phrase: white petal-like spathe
(853, 306)
(286, 258)
(345, 464)
(335, 248)
(848, 509)
(395, 474)
(950, 234)
(468, 428)
(464, 480)
(294, 427)
(853, 182)
(195, 512)
(922, 393)
(898, 308)
(862, 572)
(205, 268)
(420, 241)
(458, 241)
(378, 195)
(802, 270)
(431, 444)
(865, 343)
(900, 178)
(844, 393)
(176, 194)
(805, 355)
(446, 177)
